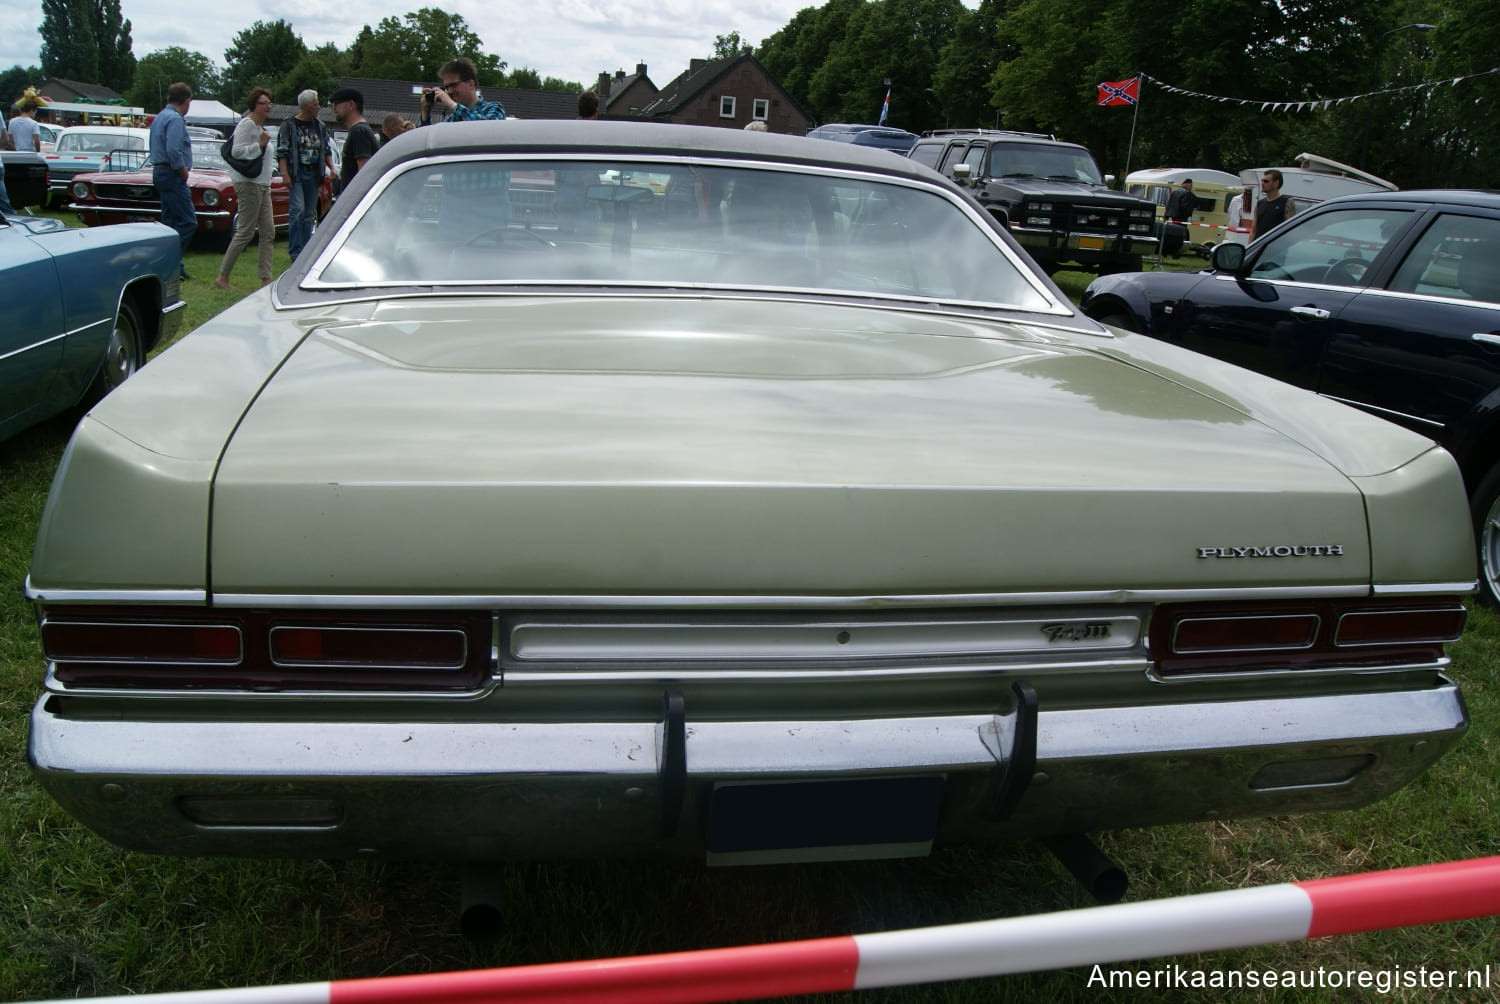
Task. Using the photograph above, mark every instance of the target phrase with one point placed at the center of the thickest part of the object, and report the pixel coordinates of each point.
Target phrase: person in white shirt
(251, 194)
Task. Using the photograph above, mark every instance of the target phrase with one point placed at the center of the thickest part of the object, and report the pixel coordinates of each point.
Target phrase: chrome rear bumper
(482, 790)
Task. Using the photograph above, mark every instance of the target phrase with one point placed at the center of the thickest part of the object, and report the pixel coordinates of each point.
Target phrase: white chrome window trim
(313, 283)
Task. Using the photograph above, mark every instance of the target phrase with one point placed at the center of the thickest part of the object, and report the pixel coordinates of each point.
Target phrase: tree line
(1227, 70)
(1035, 65)
(89, 41)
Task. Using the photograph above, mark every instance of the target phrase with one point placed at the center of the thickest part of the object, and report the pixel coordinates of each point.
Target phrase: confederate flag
(1120, 92)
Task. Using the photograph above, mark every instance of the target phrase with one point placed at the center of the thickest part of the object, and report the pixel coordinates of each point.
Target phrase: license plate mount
(848, 819)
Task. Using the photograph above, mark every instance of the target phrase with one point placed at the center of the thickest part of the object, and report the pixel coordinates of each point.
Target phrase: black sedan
(1390, 302)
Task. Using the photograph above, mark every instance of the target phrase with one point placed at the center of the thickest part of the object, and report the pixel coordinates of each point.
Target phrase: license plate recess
(823, 820)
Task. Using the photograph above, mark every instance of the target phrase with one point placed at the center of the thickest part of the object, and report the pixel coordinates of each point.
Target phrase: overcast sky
(570, 39)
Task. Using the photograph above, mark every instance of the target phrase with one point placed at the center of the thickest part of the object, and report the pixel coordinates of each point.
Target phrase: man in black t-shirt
(361, 143)
(1273, 207)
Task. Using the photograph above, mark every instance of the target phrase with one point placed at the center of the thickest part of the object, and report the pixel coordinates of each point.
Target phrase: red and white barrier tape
(1210, 922)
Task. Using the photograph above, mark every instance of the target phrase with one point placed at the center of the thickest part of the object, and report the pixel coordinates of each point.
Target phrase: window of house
(726, 107)
(761, 109)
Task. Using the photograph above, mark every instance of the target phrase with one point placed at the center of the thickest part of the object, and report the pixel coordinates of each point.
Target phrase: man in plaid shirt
(468, 208)
(459, 95)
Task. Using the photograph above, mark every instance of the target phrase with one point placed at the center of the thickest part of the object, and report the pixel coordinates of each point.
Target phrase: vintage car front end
(487, 573)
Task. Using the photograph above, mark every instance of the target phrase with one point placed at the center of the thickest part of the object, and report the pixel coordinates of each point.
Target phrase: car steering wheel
(1346, 272)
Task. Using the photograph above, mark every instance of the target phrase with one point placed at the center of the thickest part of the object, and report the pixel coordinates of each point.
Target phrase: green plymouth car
(745, 498)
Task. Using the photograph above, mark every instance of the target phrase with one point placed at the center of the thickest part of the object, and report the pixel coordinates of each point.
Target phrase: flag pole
(1133, 116)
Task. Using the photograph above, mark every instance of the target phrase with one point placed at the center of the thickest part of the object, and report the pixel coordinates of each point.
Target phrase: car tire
(123, 354)
(1485, 507)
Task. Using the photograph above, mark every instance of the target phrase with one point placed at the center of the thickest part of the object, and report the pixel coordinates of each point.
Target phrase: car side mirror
(961, 173)
(1229, 257)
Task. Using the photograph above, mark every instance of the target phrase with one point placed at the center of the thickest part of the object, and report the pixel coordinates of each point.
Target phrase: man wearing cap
(1180, 205)
(361, 143)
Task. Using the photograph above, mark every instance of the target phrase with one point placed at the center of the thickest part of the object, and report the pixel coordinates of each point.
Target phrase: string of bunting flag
(1313, 104)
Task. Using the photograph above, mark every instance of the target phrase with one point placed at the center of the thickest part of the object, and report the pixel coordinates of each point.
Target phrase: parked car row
(83, 149)
(799, 518)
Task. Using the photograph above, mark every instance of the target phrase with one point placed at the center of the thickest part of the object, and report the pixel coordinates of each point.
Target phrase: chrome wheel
(1489, 547)
(122, 354)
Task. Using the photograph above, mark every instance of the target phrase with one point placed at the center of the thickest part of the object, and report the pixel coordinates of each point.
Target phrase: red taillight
(1189, 639)
(1246, 633)
(124, 642)
(403, 648)
(1400, 627)
(134, 647)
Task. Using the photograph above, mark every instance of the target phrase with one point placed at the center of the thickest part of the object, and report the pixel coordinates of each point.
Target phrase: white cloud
(570, 39)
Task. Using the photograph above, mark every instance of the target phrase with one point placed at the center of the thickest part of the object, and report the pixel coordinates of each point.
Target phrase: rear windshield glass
(671, 224)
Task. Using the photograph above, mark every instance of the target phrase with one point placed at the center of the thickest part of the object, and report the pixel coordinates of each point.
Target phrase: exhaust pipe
(479, 917)
(1100, 877)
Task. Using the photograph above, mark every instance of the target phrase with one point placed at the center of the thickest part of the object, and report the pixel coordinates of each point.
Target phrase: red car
(128, 195)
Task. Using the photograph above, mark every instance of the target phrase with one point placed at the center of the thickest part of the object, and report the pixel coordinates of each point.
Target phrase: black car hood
(1056, 186)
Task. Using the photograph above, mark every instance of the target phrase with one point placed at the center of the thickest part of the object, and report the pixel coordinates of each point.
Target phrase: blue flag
(885, 109)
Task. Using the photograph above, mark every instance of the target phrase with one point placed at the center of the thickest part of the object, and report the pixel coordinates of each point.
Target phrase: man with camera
(458, 96)
(476, 197)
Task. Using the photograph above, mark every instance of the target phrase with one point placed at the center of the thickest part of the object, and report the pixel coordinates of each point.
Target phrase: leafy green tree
(960, 81)
(523, 78)
(263, 54)
(312, 72)
(559, 84)
(414, 47)
(14, 81)
(798, 52)
(727, 46)
(157, 70)
(88, 41)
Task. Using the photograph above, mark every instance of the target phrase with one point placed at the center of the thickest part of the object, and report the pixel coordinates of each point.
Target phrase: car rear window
(672, 224)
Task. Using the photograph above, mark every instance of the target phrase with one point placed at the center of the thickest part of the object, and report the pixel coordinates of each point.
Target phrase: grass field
(79, 917)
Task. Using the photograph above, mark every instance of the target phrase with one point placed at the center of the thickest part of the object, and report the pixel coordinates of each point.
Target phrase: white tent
(208, 112)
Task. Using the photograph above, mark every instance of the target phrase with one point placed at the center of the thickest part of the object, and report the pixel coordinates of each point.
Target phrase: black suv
(1388, 301)
(1050, 196)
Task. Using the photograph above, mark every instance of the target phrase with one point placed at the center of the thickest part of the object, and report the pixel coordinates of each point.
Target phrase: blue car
(81, 309)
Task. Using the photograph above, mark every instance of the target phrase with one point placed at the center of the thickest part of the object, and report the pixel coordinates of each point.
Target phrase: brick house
(729, 93)
(625, 94)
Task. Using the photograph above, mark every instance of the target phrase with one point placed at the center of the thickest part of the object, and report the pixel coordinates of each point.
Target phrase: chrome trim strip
(1325, 672)
(1426, 588)
(176, 306)
(526, 675)
(656, 602)
(971, 211)
(33, 346)
(1401, 294)
(554, 602)
(170, 597)
(1366, 406)
(571, 642)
